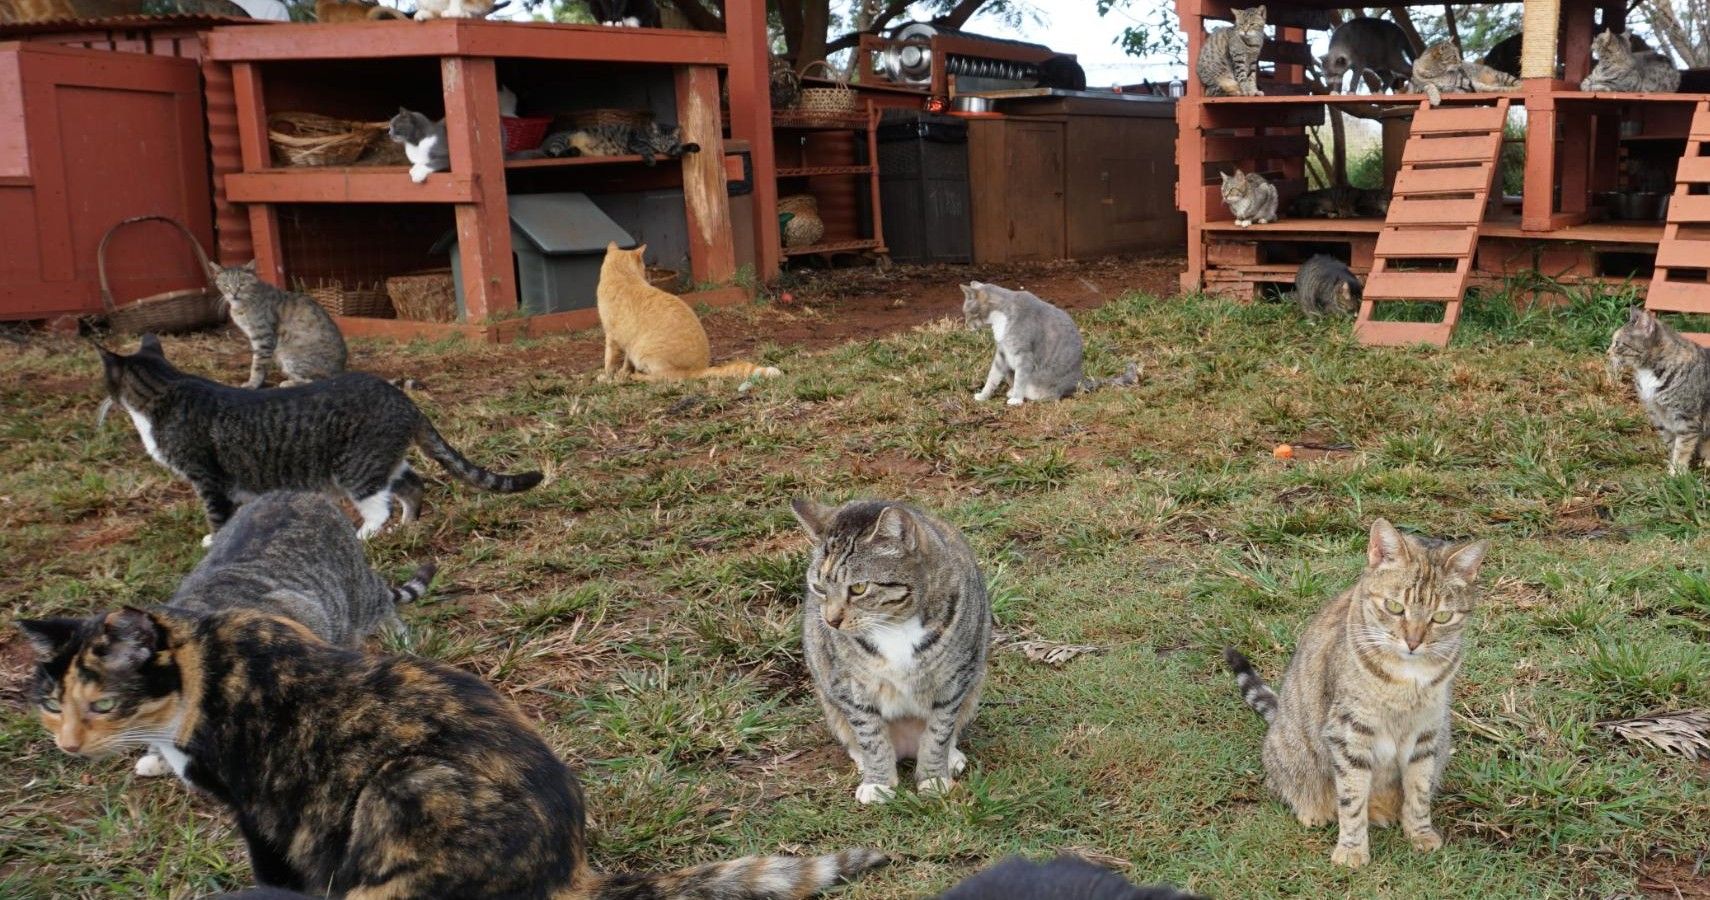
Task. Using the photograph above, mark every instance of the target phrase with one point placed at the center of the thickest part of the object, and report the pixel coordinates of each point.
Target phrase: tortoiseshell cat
(357, 775)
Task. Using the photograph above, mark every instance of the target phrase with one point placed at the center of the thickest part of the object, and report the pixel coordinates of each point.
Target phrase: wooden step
(1450, 119)
(1700, 122)
(1422, 286)
(1682, 253)
(1403, 334)
(1693, 170)
(1465, 211)
(1691, 209)
(1467, 179)
(1476, 149)
(1423, 243)
(1678, 296)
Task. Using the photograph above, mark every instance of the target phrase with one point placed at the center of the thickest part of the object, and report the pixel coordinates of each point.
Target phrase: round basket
(804, 227)
(593, 118)
(366, 303)
(424, 296)
(524, 132)
(173, 311)
(310, 139)
(831, 102)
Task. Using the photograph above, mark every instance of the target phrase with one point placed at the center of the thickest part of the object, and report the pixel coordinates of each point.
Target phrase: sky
(1074, 26)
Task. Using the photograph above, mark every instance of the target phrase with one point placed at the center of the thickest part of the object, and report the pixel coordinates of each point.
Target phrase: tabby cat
(1251, 197)
(349, 433)
(895, 630)
(1361, 731)
(1063, 878)
(1440, 70)
(1340, 202)
(626, 13)
(1620, 68)
(1229, 59)
(327, 11)
(652, 334)
(424, 142)
(352, 774)
(295, 555)
(279, 323)
(1673, 378)
(1325, 284)
(1368, 44)
(649, 142)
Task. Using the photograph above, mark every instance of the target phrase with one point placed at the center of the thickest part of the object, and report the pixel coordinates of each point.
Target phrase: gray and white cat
(895, 629)
(294, 554)
(1325, 284)
(1623, 68)
(424, 143)
(1229, 59)
(348, 434)
(1368, 44)
(1672, 375)
(1038, 346)
(1251, 197)
(650, 142)
(289, 326)
(1360, 733)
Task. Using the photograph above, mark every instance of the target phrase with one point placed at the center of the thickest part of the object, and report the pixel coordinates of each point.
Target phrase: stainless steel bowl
(969, 104)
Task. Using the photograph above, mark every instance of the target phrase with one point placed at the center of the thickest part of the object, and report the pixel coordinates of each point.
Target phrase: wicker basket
(664, 279)
(593, 118)
(366, 303)
(424, 296)
(524, 132)
(804, 228)
(309, 139)
(384, 152)
(832, 102)
(173, 311)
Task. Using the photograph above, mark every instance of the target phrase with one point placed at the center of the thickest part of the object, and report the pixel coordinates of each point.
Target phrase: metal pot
(970, 104)
(1637, 206)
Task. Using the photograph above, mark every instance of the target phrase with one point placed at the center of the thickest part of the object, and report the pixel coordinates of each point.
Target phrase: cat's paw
(208, 539)
(868, 794)
(982, 396)
(1352, 857)
(957, 760)
(152, 766)
(1427, 840)
(1014, 401)
(936, 787)
(419, 174)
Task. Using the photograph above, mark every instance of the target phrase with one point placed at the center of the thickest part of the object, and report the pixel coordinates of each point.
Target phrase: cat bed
(559, 241)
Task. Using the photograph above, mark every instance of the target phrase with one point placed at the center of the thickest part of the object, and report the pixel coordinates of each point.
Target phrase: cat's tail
(386, 12)
(1258, 695)
(1129, 378)
(739, 369)
(412, 590)
(428, 438)
(748, 878)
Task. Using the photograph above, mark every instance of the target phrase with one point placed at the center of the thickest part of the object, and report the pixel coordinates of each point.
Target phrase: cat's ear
(213, 269)
(895, 526)
(249, 267)
(1258, 9)
(1465, 559)
(49, 636)
(1387, 546)
(132, 635)
(815, 517)
(1645, 322)
(151, 344)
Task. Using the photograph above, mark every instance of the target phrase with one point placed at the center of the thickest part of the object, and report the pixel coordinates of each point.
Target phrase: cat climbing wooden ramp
(1425, 251)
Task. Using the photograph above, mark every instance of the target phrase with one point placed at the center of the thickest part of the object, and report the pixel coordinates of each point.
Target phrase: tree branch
(1405, 20)
(1449, 22)
(880, 20)
(698, 15)
(959, 15)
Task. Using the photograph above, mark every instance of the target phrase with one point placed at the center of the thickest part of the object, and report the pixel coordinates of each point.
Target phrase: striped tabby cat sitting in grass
(280, 324)
(895, 628)
(1672, 375)
(1360, 733)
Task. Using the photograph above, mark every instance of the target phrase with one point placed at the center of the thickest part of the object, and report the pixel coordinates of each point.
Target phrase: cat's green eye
(1442, 617)
(103, 705)
(1393, 607)
(50, 704)
(858, 588)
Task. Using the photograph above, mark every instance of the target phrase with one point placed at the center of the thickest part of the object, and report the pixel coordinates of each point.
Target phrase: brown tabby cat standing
(289, 326)
(358, 775)
(652, 334)
(1672, 375)
(1361, 732)
(1229, 59)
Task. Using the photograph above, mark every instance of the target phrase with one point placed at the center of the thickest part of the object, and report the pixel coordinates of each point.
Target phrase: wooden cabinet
(1016, 187)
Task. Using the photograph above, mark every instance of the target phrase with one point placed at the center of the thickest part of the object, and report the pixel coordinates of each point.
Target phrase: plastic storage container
(923, 188)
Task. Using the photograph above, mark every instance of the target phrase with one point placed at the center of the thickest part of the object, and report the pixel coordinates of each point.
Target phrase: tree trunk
(1338, 148)
(1449, 21)
(790, 14)
(959, 15)
(1405, 20)
(698, 16)
(816, 18)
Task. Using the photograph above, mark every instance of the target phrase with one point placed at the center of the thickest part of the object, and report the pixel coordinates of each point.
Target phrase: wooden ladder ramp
(1680, 283)
(1425, 250)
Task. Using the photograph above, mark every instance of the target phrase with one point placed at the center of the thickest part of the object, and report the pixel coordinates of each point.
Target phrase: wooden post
(1537, 202)
(750, 83)
(477, 146)
(252, 144)
(1576, 41)
(1190, 148)
(706, 200)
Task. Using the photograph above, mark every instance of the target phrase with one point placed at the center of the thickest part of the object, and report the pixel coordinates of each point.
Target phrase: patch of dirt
(1675, 879)
(17, 662)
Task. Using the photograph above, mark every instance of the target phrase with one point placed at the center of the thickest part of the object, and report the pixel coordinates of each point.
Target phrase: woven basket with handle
(590, 118)
(367, 303)
(832, 102)
(173, 311)
(804, 227)
(310, 139)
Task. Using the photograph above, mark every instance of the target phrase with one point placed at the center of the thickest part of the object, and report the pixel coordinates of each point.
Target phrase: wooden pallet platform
(1683, 257)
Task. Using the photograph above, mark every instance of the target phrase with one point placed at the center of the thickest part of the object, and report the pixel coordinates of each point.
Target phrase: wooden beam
(706, 201)
(477, 146)
(378, 184)
(252, 145)
(751, 120)
(465, 37)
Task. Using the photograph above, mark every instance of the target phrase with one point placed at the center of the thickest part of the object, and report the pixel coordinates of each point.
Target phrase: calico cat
(1621, 68)
(1063, 878)
(626, 13)
(1672, 375)
(652, 334)
(1229, 59)
(1360, 732)
(1325, 284)
(1440, 70)
(351, 774)
(895, 630)
(327, 11)
(424, 141)
(1368, 44)
(617, 139)
(280, 323)
(350, 433)
(1038, 346)
(1250, 197)
(1340, 202)
(295, 555)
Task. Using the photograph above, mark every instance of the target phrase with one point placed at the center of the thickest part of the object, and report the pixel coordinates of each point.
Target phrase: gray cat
(1229, 59)
(1368, 44)
(350, 433)
(424, 143)
(280, 323)
(295, 555)
(895, 629)
(1325, 284)
(1063, 878)
(1672, 375)
(1038, 346)
(1622, 68)
(1250, 197)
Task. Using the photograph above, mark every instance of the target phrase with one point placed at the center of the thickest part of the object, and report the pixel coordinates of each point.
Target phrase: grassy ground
(642, 605)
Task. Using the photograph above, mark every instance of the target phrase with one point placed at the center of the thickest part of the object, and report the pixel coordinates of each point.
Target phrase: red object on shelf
(524, 132)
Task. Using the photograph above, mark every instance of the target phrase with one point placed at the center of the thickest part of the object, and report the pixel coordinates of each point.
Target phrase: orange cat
(654, 334)
(18, 11)
(353, 11)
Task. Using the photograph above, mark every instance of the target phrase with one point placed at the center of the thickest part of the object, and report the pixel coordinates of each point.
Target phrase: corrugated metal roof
(174, 20)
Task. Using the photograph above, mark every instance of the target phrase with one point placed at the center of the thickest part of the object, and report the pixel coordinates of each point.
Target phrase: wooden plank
(477, 147)
(1422, 286)
(1481, 148)
(750, 120)
(1235, 148)
(252, 147)
(1402, 334)
(465, 37)
(1689, 209)
(1471, 179)
(1413, 211)
(388, 184)
(1260, 115)
(1678, 296)
(706, 203)
(1680, 253)
(1693, 170)
(1701, 122)
(1446, 119)
(1445, 243)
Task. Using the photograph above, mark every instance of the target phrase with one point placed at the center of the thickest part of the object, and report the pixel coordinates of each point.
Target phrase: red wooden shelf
(810, 171)
(790, 119)
(465, 37)
(366, 184)
(563, 161)
(835, 247)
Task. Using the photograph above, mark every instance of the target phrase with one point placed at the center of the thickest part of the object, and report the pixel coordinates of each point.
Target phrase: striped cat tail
(1258, 695)
(748, 878)
(1128, 378)
(428, 438)
(739, 369)
(412, 590)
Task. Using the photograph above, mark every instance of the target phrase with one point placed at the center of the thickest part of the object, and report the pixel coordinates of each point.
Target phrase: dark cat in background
(625, 13)
(1064, 878)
